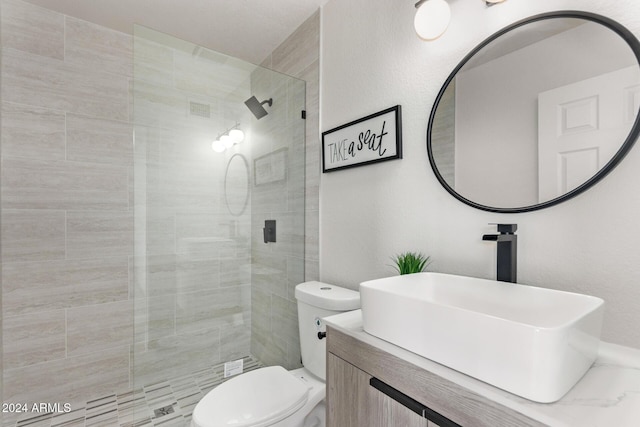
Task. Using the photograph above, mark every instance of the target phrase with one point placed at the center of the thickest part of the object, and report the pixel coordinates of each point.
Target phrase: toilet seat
(254, 399)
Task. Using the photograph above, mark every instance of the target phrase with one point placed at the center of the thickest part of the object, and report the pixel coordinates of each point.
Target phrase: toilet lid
(257, 398)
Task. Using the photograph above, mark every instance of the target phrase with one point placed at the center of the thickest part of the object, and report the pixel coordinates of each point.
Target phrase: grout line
(66, 234)
(66, 333)
(66, 133)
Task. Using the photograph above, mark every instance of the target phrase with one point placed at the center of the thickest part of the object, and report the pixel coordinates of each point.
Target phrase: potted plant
(410, 262)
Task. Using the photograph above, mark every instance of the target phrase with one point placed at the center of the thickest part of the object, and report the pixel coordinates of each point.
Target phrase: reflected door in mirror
(580, 126)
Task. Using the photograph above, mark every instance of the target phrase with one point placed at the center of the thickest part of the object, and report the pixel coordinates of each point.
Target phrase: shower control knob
(322, 335)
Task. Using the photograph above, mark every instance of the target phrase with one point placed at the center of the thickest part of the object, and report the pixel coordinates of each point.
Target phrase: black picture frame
(364, 141)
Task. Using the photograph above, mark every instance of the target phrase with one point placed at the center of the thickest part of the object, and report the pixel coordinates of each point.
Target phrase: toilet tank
(317, 300)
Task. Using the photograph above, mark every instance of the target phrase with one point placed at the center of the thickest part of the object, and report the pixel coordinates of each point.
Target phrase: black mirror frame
(616, 27)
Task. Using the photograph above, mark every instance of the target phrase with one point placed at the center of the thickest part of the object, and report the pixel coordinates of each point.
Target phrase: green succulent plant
(410, 262)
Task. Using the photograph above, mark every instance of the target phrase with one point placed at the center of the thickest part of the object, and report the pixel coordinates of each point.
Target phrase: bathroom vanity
(373, 383)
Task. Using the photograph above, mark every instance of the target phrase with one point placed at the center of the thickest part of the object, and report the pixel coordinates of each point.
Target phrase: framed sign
(372, 139)
(271, 167)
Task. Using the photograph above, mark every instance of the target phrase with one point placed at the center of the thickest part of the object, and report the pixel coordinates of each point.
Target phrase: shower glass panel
(207, 288)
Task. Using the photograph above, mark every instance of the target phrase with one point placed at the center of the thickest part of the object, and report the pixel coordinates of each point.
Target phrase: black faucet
(507, 251)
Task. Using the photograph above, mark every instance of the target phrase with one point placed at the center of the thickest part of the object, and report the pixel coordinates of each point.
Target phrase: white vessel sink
(533, 342)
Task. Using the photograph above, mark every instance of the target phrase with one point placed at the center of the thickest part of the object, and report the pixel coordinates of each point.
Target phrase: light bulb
(226, 141)
(432, 19)
(236, 135)
(218, 146)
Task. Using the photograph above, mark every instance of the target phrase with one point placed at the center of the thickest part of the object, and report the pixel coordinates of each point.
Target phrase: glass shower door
(208, 291)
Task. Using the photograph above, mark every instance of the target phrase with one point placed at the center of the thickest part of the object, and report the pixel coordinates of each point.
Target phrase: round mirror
(537, 113)
(236, 184)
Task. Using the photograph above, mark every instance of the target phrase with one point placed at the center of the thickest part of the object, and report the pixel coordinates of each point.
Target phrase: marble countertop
(608, 395)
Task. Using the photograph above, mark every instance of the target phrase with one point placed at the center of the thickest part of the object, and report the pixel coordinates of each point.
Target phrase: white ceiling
(246, 29)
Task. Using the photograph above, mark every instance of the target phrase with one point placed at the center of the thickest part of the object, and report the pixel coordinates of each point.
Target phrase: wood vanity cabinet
(368, 387)
(353, 402)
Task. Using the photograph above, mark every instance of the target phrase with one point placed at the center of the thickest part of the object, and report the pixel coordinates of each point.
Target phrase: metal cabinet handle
(411, 404)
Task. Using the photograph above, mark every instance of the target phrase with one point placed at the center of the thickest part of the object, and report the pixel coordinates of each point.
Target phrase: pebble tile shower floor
(164, 404)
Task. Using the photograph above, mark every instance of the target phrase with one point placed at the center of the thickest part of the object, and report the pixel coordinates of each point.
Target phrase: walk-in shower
(134, 269)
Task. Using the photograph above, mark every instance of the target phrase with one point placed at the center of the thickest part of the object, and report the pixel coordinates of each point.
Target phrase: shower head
(256, 106)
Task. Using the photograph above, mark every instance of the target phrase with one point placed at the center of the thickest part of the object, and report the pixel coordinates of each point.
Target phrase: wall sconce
(433, 16)
(228, 139)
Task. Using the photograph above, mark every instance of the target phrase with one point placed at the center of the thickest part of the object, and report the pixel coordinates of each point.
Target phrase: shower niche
(207, 289)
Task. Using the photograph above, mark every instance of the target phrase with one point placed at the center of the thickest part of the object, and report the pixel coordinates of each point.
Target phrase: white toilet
(276, 397)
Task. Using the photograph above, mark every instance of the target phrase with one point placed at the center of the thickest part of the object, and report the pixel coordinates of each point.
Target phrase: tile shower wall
(278, 267)
(67, 217)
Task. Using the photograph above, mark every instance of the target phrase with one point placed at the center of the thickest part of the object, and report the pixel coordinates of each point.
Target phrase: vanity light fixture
(432, 18)
(218, 146)
(228, 139)
(237, 136)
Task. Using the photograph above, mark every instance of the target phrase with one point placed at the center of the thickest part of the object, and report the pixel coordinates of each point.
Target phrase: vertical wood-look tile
(160, 232)
(177, 355)
(198, 273)
(235, 342)
(92, 46)
(161, 274)
(32, 132)
(161, 317)
(41, 286)
(235, 271)
(74, 379)
(153, 62)
(209, 309)
(210, 73)
(32, 29)
(51, 83)
(33, 338)
(98, 234)
(96, 140)
(32, 235)
(99, 327)
(300, 49)
(54, 184)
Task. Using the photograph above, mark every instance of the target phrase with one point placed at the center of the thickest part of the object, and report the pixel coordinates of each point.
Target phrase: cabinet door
(387, 412)
(347, 388)
(352, 402)
(413, 406)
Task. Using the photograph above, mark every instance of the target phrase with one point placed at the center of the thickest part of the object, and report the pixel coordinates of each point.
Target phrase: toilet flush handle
(322, 335)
